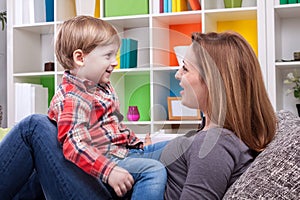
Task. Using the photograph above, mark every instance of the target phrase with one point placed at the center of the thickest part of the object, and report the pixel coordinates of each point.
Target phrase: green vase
(233, 3)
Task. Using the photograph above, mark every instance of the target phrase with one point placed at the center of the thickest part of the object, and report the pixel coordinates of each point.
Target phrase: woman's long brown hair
(237, 98)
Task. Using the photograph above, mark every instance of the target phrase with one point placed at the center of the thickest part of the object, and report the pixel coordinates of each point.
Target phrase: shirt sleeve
(209, 169)
(77, 141)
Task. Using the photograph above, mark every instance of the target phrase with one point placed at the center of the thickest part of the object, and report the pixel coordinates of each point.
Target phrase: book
(49, 4)
(118, 60)
(166, 4)
(18, 16)
(174, 5)
(181, 5)
(39, 11)
(132, 53)
(169, 6)
(27, 12)
(128, 53)
(161, 6)
(156, 7)
(195, 4)
(30, 99)
(122, 53)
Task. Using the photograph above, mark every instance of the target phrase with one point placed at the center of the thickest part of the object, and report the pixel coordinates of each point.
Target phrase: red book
(195, 4)
(161, 6)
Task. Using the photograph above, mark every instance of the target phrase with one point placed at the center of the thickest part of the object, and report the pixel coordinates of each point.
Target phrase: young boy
(86, 110)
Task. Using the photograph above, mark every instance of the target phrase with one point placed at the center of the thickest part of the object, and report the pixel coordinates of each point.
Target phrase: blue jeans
(149, 174)
(30, 151)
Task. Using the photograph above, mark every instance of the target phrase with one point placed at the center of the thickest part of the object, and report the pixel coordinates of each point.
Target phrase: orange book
(195, 4)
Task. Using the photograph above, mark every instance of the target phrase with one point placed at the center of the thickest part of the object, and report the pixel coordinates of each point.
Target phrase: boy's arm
(78, 142)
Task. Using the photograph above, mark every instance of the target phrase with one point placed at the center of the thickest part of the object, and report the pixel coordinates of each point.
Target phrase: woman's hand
(120, 180)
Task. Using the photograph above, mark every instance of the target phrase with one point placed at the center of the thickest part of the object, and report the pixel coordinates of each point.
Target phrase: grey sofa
(275, 173)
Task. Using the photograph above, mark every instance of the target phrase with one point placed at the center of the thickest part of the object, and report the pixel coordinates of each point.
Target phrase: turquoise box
(125, 7)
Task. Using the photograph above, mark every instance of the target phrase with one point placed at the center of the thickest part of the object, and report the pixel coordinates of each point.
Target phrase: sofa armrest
(275, 173)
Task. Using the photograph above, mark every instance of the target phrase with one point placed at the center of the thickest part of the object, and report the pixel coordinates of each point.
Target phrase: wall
(3, 69)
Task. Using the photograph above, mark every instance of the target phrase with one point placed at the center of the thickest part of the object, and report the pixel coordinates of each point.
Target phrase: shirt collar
(86, 85)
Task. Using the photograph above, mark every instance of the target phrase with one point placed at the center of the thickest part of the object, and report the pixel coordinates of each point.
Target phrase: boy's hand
(120, 180)
(148, 140)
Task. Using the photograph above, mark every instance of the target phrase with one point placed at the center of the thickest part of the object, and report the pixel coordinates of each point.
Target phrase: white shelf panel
(232, 14)
(136, 122)
(132, 21)
(288, 10)
(287, 65)
(40, 28)
(166, 68)
(27, 74)
(188, 17)
(177, 122)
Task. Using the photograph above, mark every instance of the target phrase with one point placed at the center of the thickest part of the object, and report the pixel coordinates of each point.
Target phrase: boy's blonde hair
(85, 33)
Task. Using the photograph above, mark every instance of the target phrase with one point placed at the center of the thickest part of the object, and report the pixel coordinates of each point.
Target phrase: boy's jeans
(32, 146)
(148, 173)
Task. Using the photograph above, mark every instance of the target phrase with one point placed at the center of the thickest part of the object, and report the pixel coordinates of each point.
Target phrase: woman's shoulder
(218, 135)
(218, 140)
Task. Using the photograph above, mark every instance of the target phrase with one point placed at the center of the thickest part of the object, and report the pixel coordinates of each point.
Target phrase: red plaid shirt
(89, 125)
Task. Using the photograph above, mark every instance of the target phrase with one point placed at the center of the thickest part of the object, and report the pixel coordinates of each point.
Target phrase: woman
(221, 76)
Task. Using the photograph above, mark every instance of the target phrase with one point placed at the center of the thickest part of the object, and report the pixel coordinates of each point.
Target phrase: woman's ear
(78, 57)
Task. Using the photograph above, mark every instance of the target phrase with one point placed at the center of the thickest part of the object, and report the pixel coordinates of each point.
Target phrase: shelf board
(41, 28)
(287, 65)
(232, 14)
(166, 68)
(132, 71)
(188, 17)
(28, 74)
(132, 21)
(288, 10)
(177, 122)
(136, 122)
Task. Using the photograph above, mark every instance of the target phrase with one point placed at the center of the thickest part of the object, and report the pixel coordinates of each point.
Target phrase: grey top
(202, 165)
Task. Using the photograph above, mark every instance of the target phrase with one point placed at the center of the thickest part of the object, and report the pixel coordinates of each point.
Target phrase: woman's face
(194, 93)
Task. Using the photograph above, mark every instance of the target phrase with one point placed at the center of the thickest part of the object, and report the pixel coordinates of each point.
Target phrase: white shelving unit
(31, 45)
(283, 30)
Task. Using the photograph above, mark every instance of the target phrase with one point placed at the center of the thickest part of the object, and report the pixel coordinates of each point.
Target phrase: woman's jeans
(30, 154)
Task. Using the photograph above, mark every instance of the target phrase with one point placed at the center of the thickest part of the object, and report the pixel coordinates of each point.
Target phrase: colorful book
(161, 6)
(132, 53)
(118, 59)
(174, 5)
(181, 5)
(195, 4)
(49, 10)
(166, 4)
(128, 53)
(122, 53)
(169, 6)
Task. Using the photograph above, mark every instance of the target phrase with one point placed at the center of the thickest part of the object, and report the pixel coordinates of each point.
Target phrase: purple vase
(133, 113)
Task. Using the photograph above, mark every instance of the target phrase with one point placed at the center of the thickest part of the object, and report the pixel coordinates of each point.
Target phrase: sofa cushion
(275, 173)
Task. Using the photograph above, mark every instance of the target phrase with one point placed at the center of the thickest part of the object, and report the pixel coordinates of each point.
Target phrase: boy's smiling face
(97, 65)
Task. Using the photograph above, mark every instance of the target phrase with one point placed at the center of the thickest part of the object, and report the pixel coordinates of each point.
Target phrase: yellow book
(181, 5)
(118, 59)
(174, 6)
(97, 9)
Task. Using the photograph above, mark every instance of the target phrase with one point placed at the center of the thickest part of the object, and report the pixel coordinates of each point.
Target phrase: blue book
(123, 54)
(169, 6)
(166, 4)
(49, 10)
(132, 53)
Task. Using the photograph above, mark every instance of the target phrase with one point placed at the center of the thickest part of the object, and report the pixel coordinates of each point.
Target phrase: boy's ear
(78, 57)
